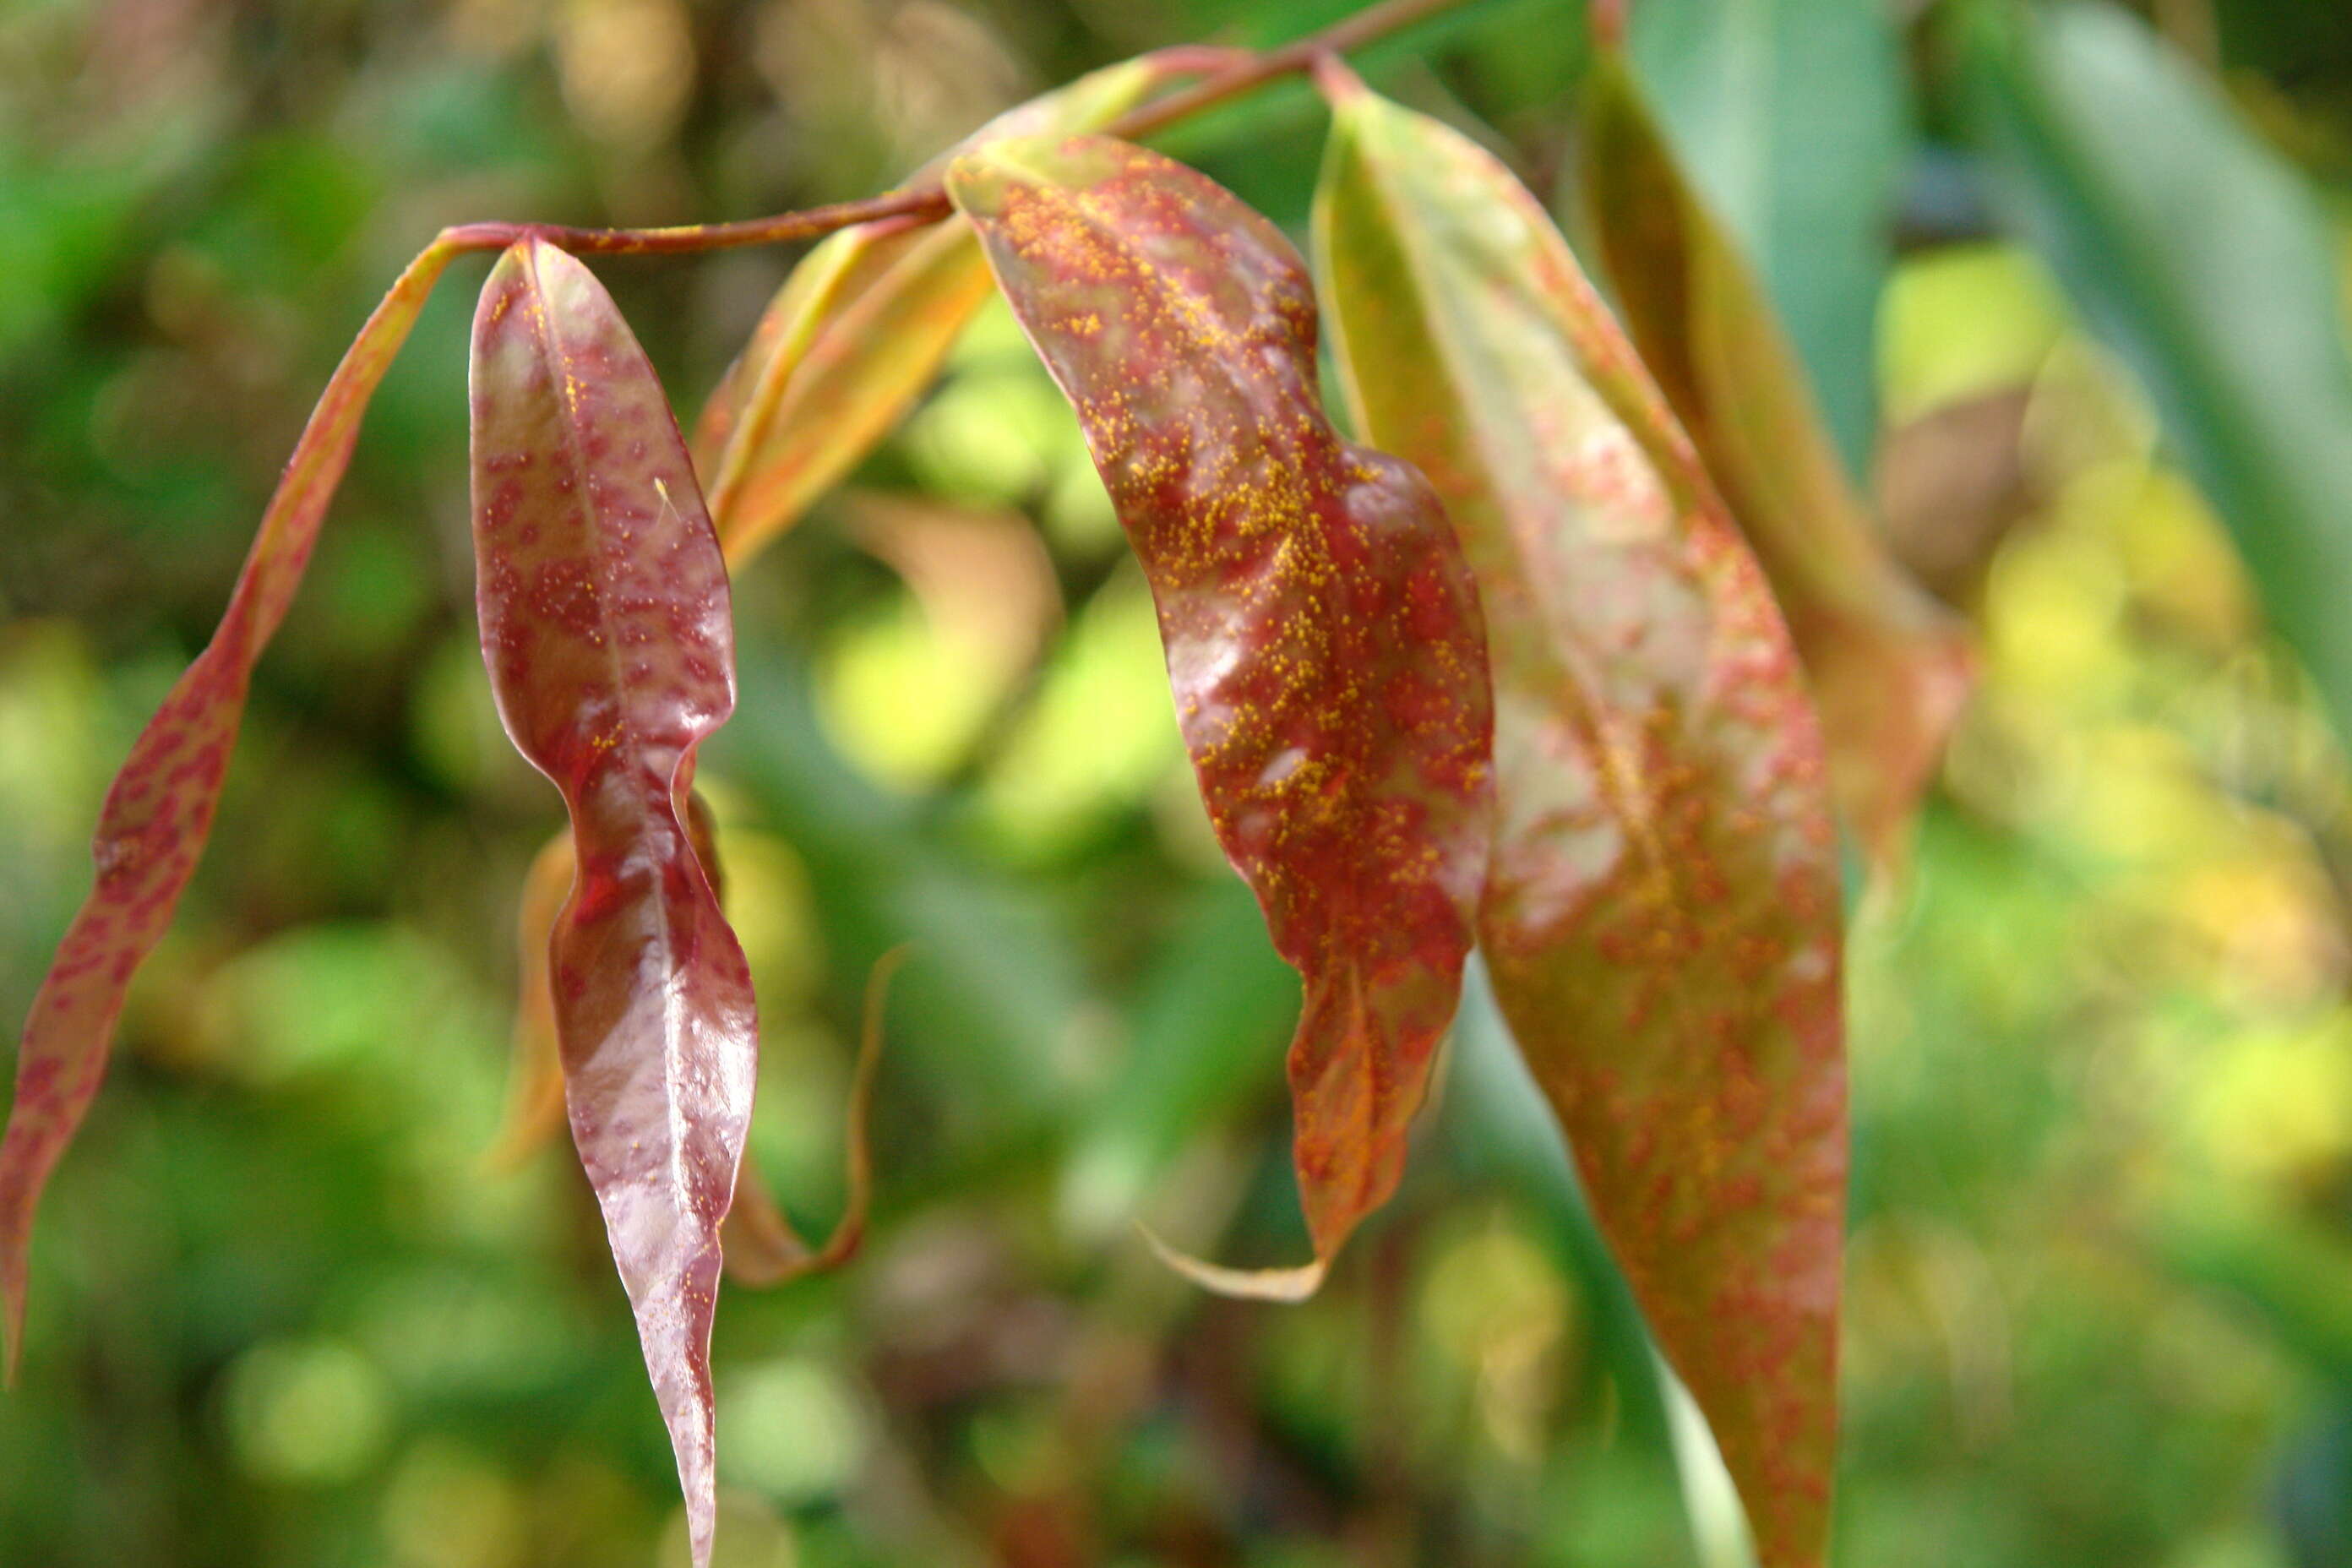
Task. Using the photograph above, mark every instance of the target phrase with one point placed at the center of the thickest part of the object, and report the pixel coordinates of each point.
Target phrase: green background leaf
(1792, 116)
(2203, 258)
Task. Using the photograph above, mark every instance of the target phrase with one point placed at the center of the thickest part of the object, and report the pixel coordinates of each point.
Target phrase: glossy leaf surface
(855, 334)
(762, 1247)
(159, 808)
(1661, 921)
(604, 618)
(1890, 668)
(2208, 263)
(1321, 628)
(535, 1078)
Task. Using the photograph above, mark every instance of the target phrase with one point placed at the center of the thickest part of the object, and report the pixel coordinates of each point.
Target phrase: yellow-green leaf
(2209, 263)
(858, 330)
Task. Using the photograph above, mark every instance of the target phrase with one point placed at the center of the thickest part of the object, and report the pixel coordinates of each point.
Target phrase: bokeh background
(287, 1312)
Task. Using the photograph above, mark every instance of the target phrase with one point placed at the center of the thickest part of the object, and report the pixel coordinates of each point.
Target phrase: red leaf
(1321, 627)
(1661, 921)
(605, 627)
(161, 806)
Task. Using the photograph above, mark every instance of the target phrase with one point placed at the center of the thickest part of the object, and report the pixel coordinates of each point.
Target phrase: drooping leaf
(760, 1245)
(2206, 262)
(1889, 667)
(1788, 117)
(1661, 918)
(159, 808)
(858, 330)
(1321, 628)
(604, 620)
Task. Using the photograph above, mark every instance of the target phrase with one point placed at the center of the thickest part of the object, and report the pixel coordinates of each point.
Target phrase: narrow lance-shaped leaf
(850, 340)
(605, 617)
(1321, 628)
(856, 332)
(1789, 118)
(847, 344)
(535, 1078)
(762, 1249)
(1890, 668)
(859, 329)
(159, 808)
(1661, 920)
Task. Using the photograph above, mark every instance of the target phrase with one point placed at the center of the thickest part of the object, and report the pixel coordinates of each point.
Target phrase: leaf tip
(17, 1200)
(1287, 1286)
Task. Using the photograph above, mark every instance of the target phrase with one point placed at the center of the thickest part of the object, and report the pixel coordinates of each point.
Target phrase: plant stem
(1366, 25)
(922, 205)
(928, 203)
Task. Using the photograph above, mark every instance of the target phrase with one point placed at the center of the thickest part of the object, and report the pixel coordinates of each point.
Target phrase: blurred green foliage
(2100, 1280)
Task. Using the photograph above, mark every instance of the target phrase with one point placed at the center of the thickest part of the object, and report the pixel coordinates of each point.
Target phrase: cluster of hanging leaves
(1565, 664)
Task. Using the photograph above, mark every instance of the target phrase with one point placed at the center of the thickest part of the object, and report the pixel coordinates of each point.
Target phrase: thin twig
(928, 203)
(1366, 25)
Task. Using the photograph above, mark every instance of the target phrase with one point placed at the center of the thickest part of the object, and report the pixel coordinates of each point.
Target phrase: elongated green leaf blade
(2206, 261)
(1321, 628)
(1661, 921)
(1788, 117)
(605, 629)
(1890, 668)
(858, 330)
(159, 808)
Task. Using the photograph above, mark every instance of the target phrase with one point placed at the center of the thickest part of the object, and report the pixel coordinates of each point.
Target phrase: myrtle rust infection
(161, 804)
(1890, 668)
(605, 619)
(1322, 631)
(1662, 917)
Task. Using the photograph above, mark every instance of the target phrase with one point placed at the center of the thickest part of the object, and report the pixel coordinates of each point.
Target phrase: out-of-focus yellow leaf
(535, 1082)
(857, 331)
(763, 1246)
